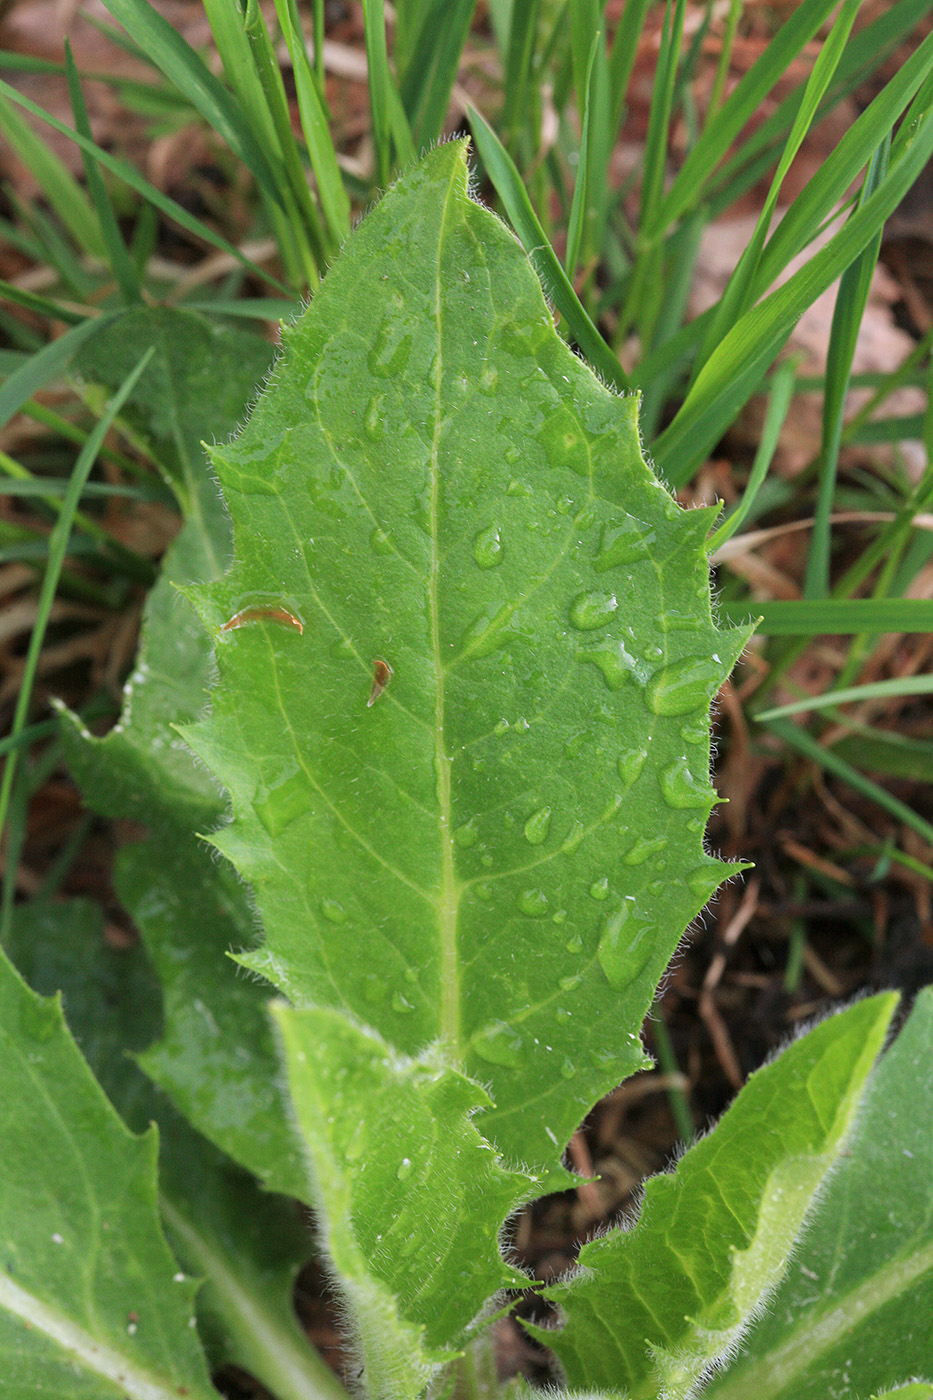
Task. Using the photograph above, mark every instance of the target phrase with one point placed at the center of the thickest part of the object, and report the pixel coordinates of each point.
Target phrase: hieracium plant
(454, 740)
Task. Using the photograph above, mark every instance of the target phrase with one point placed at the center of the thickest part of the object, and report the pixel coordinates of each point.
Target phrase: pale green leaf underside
(655, 1306)
(90, 1306)
(855, 1313)
(501, 852)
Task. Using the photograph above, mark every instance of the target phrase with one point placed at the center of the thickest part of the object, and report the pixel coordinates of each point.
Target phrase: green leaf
(413, 1199)
(509, 836)
(91, 1303)
(854, 1314)
(653, 1308)
(217, 1059)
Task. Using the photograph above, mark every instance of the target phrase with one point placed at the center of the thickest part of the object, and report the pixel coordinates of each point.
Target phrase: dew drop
(522, 725)
(537, 826)
(534, 903)
(681, 789)
(630, 764)
(380, 541)
(500, 727)
(282, 803)
(499, 1044)
(333, 912)
(599, 889)
(483, 891)
(623, 954)
(622, 542)
(487, 547)
(559, 917)
(359, 1142)
(568, 1069)
(518, 488)
(574, 745)
(685, 686)
(616, 663)
(705, 879)
(695, 733)
(644, 848)
(404, 1169)
(467, 835)
(401, 1004)
(374, 421)
(567, 984)
(574, 944)
(489, 630)
(591, 610)
(573, 838)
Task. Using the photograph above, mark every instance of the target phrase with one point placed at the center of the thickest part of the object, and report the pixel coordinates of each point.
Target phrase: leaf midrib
(450, 888)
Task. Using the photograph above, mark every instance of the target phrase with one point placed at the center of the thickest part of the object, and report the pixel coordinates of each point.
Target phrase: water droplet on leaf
(499, 1044)
(685, 686)
(534, 903)
(591, 610)
(630, 765)
(487, 547)
(681, 789)
(537, 826)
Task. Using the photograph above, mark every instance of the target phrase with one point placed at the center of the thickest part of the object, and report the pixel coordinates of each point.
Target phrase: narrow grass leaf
(169, 51)
(429, 75)
(851, 300)
(510, 189)
(390, 125)
(814, 617)
(623, 53)
(855, 695)
(57, 549)
(796, 738)
(118, 257)
(125, 171)
(579, 208)
(56, 182)
(738, 364)
(519, 57)
(779, 400)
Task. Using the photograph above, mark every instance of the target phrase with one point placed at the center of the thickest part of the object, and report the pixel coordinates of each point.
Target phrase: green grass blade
(579, 206)
(58, 548)
(46, 365)
(782, 391)
(126, 172)
(815, 617)
(737, 296)
(430, 75)
(314, 124)
(118, 258)
(819, 198)
(42, 306)
(734, 369)
(796, 738)
(851, 301)
(623, 54)
(741, 104)
(508, 183)
(174, 56)
(390, 125)
(852, 695)
(518, 65)
(59, 186)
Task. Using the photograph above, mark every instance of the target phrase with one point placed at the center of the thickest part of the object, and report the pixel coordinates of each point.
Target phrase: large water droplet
(644, 848)
(467, 835)
(487, 547)
(381, 542)
(599, 889)
(534, 903)
(630, 764)
(706, 879)
(537, 826)
(685, 686)
(573, 838)
(591, 610)
(282, 803)
(680, 788)
(623, 952)
(499, 1044)
(616, 663)
(622, 542)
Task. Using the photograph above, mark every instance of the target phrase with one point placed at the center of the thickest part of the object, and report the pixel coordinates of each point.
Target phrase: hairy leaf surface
(655, 1306)
(90, 1306)
(855, 1313)
(466, 659)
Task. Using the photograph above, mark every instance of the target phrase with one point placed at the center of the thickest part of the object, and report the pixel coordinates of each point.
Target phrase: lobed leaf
(91, 1302)
(509, 836)
(653, 1308)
